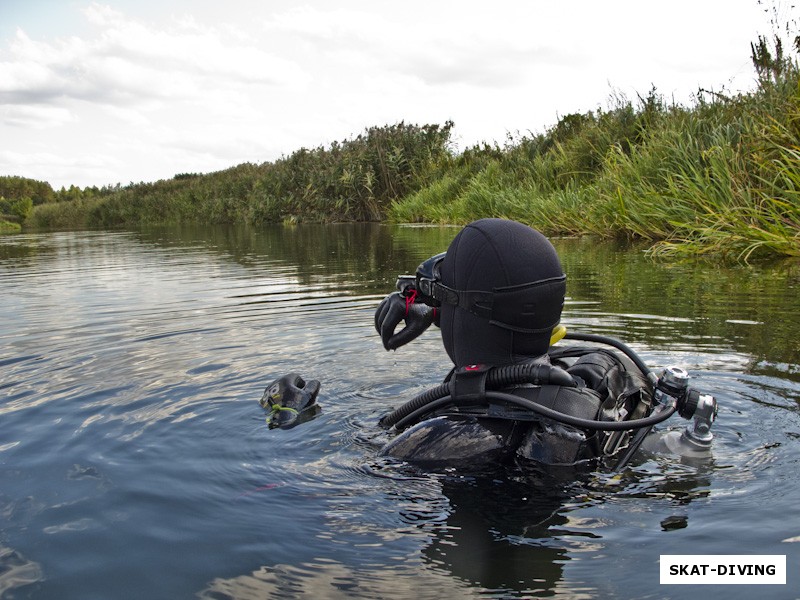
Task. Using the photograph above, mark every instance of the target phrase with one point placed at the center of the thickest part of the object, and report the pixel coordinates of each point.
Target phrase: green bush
(721, 176)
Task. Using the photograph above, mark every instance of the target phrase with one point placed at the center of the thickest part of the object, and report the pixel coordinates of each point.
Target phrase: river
(136, 462)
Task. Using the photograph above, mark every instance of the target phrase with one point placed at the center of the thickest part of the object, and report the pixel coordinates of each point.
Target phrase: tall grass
(720, 177)
(352, 180)
(8, 226)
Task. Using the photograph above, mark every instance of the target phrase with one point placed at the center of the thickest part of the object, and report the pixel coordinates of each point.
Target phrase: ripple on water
(16, 571)
(134, 443)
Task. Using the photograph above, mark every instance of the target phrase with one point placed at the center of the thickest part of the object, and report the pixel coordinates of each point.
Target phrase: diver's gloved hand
(395, 308)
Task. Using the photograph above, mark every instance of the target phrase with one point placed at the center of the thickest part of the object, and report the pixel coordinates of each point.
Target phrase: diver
(497, 296)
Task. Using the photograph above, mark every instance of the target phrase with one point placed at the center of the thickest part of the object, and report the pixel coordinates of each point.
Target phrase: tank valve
(702, 408)
(672, 389)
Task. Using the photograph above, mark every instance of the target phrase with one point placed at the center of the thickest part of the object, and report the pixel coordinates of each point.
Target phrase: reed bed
(719, 177)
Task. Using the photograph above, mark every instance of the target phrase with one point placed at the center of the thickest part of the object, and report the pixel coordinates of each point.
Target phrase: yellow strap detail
(559, 331)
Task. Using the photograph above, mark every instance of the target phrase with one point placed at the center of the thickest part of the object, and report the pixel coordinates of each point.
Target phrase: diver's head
(508, 286)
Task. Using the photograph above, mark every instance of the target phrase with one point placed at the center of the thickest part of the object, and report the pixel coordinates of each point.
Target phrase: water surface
(135, 460)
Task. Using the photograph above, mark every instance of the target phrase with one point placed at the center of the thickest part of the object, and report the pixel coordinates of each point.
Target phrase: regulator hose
(536, 374)
(417, 402)
(624, 348)
(497, 377)
(555, 415)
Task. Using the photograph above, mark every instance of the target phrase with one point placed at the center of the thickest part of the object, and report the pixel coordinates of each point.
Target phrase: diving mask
(533, 307)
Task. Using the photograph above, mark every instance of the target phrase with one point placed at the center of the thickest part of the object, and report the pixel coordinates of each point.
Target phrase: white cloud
(59, 167)
(163, 94)
(130, 62)
(35, 116)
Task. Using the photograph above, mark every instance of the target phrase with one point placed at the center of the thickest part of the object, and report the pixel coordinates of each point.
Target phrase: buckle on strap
(469, 382)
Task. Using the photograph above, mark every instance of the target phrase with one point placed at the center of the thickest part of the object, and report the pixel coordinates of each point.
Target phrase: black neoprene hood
(495, 254)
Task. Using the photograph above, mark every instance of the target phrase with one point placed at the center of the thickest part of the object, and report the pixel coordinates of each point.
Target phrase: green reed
(8, 226)
(352, 180)
(720, 177)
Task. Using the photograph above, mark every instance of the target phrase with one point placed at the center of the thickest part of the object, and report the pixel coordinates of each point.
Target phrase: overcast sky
(95, 93)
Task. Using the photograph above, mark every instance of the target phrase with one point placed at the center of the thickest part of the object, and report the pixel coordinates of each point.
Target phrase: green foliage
(721, 176)
(353, 180)
(22, 208)
(16, 188)
(15, 210)
(62, 215)
(8, 227)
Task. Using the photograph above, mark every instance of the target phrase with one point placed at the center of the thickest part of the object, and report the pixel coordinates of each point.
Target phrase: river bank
(8, 226)
(719, 177)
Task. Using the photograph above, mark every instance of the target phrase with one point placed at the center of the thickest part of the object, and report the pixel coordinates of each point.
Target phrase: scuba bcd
(478, 390)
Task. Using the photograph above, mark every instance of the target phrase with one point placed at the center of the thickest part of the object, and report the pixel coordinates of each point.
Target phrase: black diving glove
(395, 308)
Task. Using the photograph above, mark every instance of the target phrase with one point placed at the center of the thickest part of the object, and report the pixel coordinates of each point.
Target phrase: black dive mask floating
(525, 308)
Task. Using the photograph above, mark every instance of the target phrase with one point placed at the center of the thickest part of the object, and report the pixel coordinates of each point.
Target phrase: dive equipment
(558, 333)
(670, 386)
(499, 292)
(672, 392)
(494, 377)
(290, 398)
(615, 343)
(525, 308)
(476, 385)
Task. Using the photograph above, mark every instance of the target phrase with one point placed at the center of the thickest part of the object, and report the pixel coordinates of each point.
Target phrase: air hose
(536, 374)
(627, 350)
(549, 413)
(497, 377)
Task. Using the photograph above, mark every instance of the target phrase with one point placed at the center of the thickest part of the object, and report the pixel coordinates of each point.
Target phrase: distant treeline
(353, 180)
(721, 176)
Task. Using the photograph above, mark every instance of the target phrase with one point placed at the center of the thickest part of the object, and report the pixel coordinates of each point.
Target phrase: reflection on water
(16, 571)
(136, 461)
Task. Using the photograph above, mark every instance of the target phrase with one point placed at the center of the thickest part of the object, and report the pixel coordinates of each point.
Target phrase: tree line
(721, 176)
(352, 180)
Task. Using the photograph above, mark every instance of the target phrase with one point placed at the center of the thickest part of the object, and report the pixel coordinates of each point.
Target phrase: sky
(121, 91)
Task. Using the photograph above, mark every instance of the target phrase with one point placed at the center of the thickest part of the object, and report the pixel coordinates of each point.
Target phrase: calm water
(135, 461)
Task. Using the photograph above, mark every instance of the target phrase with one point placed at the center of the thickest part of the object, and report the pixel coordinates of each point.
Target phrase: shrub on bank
(719, 177)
